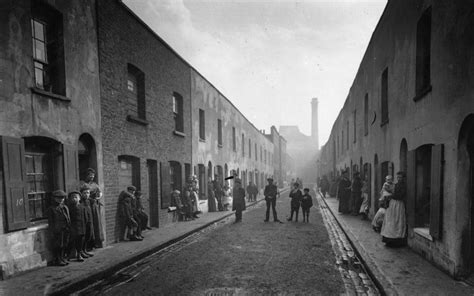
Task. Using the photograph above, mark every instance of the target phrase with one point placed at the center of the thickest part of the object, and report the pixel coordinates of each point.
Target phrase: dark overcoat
(238, 203)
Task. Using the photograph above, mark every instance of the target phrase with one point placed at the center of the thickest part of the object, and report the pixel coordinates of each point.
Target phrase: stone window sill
(423, 232)
(220, 145)
(50, 95)
(202, 140)
(384, 122)
(423, 93)
(137, 120)
(180, 134)
(37, 225)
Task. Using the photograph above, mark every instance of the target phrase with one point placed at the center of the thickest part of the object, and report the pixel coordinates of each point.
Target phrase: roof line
(137, 18)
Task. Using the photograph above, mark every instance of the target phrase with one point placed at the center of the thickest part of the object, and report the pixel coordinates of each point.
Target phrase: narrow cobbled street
(248, 258)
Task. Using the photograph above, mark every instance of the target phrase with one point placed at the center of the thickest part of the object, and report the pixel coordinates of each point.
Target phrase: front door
(153, 192)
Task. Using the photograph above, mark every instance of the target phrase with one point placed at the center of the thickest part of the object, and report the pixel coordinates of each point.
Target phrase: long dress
(344, 195)
(394, 228)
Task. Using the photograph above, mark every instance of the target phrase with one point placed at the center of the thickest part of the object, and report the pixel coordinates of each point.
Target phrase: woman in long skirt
(344, 194)
(394, 228)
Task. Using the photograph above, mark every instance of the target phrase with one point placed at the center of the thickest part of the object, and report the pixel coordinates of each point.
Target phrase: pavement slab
(399, 271)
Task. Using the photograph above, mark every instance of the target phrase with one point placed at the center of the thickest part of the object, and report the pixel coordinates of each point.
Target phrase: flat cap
(59, 193)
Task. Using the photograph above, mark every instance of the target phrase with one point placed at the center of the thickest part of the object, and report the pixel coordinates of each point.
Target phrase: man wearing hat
(238, 204)
(270, 193)
(59, 223)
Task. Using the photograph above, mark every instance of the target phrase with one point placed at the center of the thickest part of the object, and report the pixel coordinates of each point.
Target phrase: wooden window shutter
(165, 184)
(411, 188)
(71, 168)
(436, 190)
(14, 171)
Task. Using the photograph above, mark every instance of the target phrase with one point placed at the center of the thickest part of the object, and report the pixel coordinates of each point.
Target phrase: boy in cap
(239, 200)
(78, 225)
(126, 213)
(306, 204)
(59, 223)
(89, 233)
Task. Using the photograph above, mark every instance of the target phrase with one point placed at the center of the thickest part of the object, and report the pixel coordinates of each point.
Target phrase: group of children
(298, 199)
(71, 225)
(132, 214)
(385, 195)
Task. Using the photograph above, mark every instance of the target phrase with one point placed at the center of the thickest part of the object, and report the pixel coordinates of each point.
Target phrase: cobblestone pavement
(248, 258)
(355, 277)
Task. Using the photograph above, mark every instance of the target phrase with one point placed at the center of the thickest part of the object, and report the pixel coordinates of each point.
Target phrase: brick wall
(124, 39)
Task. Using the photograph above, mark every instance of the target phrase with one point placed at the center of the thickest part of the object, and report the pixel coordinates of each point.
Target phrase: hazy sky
(271, 57)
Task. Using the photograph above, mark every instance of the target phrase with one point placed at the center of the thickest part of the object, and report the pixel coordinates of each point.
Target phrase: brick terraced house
(411, 109)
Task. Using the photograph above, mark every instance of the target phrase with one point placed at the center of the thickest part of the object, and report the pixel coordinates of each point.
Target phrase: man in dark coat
(324, 187)
(238, 204)
(344, 193)
(270, 193)
(356, 193)
(252, 191)
(59, 223)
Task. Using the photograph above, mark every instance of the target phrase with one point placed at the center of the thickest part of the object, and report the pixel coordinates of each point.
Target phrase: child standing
(386, 194)
(59, 223)
(89, 231)
(296, 197)
(306, 204)
(78, 225)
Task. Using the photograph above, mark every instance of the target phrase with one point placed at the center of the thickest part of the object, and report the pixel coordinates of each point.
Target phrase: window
(219, 132)
(178, 112)
(135, 93)
(342, 141)
(355, 126)
(202, 127)
(384, 97)
(347, 135)
(265, 156)
(423, 54)
(250, 148)
(261, 154)
(48, 48)
(256, 152)
(243, 145)
(366, 114)
(40, 187)
(425, 189)
(234, 146)
(175, 176)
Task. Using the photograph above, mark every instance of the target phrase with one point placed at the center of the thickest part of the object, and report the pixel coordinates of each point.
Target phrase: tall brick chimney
(314, 122)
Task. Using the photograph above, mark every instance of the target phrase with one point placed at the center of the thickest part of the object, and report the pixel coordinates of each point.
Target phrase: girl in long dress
(394, 228)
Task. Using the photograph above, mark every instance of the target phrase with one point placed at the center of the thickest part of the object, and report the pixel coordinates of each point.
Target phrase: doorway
(153, 192)
(87, 155)
(465, 193)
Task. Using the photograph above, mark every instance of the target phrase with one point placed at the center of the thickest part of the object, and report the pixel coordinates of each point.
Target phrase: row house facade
(49, 120)
(146, 114)
(411, 109)
(225, 143)
(89, 84)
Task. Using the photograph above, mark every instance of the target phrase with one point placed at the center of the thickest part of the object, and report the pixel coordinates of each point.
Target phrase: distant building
(304, 149)
(411, 108)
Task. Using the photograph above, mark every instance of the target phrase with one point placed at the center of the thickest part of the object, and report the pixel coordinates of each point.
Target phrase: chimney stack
(314, 122)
